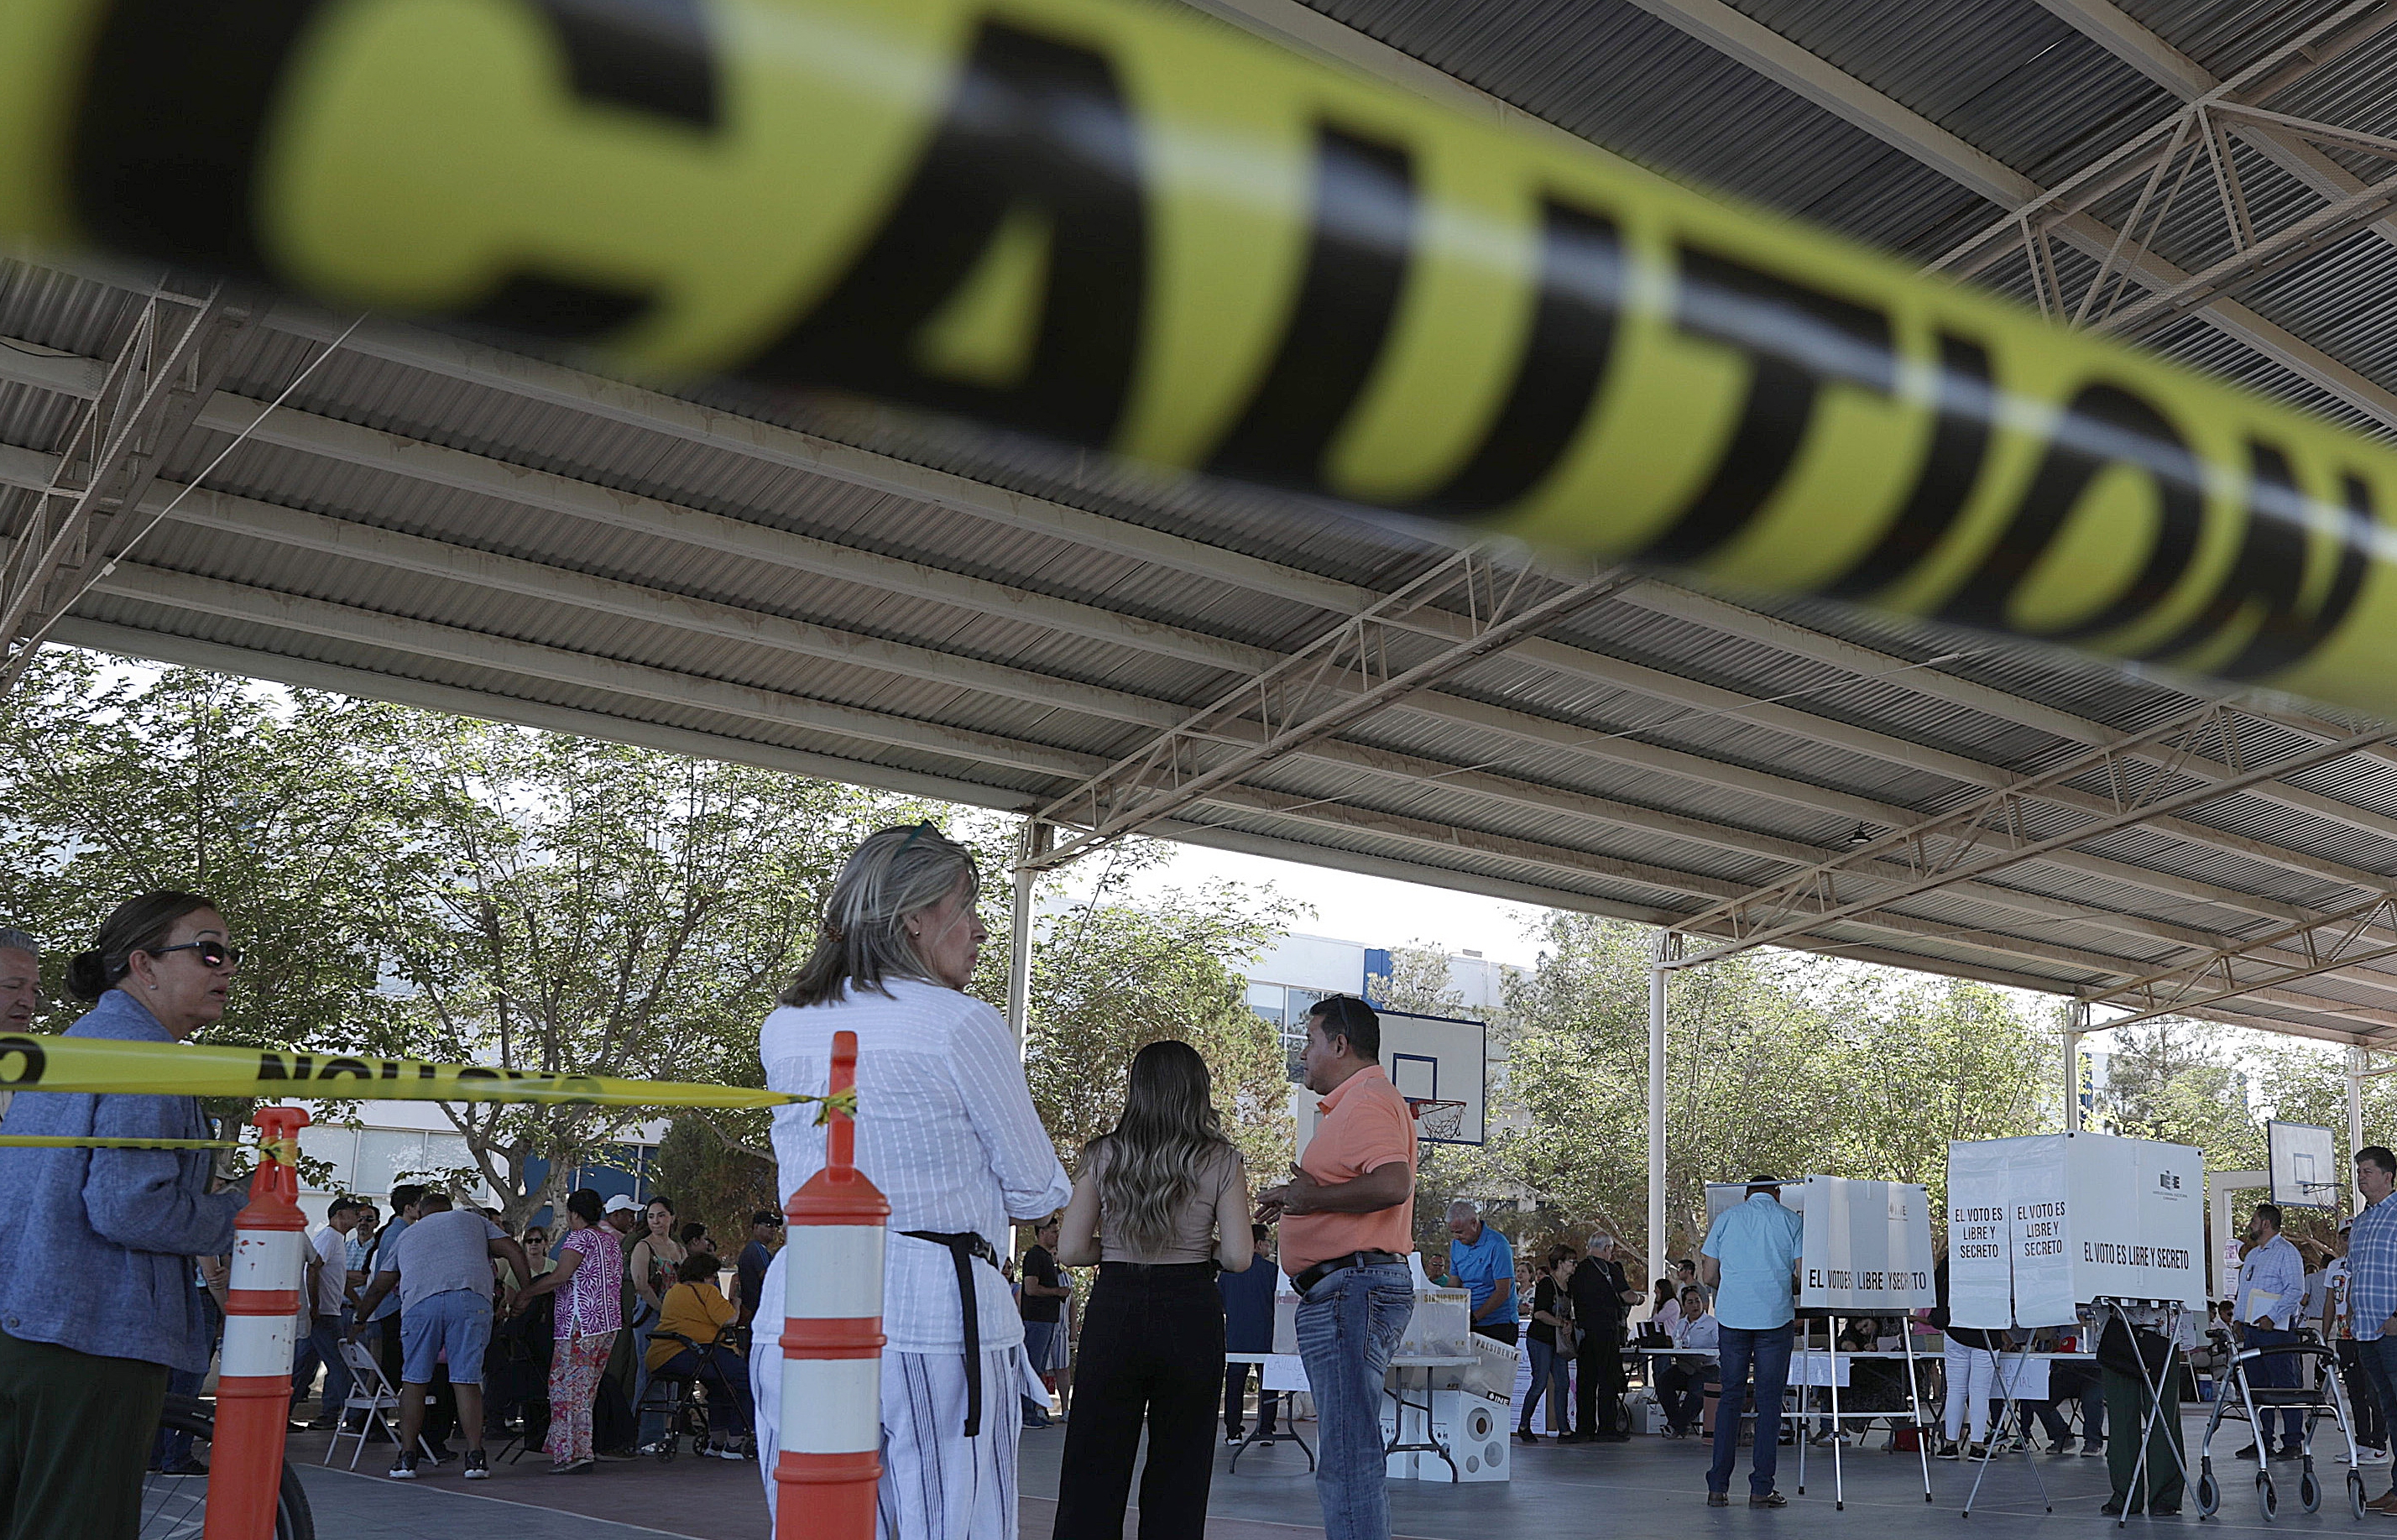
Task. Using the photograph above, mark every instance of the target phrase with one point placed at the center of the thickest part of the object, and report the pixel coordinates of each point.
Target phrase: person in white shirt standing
(328, 1288)
(2271, 1295)
(946, 1130)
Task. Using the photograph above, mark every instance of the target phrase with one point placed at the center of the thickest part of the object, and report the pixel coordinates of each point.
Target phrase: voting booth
(1866, 1247)
(2038, 1227)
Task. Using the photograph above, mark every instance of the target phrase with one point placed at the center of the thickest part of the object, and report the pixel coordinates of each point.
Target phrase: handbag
(2134, 1350)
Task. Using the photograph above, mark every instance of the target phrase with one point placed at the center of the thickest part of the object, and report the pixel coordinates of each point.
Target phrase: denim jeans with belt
(1768, 1350)
(1348, 1331)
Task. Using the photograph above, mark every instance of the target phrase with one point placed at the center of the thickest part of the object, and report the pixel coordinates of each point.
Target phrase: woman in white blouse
(945, 1129)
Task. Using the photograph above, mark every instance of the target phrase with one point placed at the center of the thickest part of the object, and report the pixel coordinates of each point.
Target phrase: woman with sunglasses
(946, 1130)
(83, 1371)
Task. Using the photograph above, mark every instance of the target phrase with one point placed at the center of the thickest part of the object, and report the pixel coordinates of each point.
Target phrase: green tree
(120, 780)
(1774, 1062)
(1109, 977)
(2183, 1083)
(568, 905)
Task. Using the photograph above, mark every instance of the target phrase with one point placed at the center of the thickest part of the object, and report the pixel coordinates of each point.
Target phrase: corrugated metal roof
(825, 585)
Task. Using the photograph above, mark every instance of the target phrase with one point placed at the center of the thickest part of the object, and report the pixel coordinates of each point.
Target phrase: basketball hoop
(1439, 1119)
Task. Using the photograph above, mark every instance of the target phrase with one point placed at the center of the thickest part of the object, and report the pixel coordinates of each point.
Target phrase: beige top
(1212, 1221)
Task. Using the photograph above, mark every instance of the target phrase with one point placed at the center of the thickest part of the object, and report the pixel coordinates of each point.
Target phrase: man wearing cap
(1750, 1260)
(1347, 1230)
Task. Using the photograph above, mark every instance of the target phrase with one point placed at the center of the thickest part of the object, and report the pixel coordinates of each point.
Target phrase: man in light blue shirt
(2271, 1295)
(1750, 1260)
(2372, 1287)
(1482, 1260)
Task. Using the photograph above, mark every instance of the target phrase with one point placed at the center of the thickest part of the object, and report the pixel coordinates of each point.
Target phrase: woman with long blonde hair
(1161, 1204)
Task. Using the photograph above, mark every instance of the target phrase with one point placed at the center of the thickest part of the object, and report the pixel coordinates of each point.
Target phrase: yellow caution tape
(68, 1142)
(31, 1062)
(1125, 226)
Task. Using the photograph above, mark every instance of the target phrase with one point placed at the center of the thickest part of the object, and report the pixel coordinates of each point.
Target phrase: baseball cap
(620, 1204)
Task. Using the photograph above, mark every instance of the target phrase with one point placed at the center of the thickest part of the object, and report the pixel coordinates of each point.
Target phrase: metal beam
(145, 402)
(2107, 25)
(549, 382)
(299, 530)
(1344, 675)
(312, 674)
(1938, 851)
(1790, 66)
(2332, 944)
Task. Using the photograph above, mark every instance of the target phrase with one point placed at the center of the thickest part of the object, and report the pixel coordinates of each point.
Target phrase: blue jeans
(1547, 1374)
(2379, 1359)
(1768, 1351)
(2278, 1371)
(1040, 1341)
(323, 1346)
(1348, 1331)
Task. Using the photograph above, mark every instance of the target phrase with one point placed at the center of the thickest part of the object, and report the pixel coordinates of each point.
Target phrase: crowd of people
(1184, 1250)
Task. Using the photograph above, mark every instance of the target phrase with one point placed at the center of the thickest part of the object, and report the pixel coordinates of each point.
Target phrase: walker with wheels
(2241, 1401)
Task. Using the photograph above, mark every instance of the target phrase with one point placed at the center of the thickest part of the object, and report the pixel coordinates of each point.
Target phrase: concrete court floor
(1646, 1490)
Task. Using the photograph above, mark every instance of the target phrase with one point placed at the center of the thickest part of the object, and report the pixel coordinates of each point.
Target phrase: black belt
(1321, 1270)
(964, 1246)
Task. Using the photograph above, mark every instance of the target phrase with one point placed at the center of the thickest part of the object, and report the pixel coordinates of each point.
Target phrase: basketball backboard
(2305, 1165)
(1433, 1060)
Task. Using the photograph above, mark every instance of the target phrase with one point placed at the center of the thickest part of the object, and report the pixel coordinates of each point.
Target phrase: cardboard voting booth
(1866, 1248)
(2040, 1225)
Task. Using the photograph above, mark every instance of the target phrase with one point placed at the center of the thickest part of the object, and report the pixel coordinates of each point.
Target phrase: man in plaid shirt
(2372, 1273)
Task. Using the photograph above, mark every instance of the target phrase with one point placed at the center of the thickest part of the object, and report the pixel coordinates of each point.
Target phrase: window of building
(1284, 1007)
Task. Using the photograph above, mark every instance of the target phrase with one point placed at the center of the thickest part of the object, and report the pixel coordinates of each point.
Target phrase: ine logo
(2168, 1180)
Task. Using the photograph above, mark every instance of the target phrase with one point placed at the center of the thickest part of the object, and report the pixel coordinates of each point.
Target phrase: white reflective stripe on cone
(839, 1272)
(257, 1345)
(832, 1406)
(265, 1259)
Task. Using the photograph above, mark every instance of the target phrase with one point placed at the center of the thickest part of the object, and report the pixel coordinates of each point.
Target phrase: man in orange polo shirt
(1347, 1226)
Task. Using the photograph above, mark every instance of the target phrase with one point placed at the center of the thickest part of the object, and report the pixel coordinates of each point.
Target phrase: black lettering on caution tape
(22, 1062)
(1038, 146)
(1037, 130)
(1798, 339)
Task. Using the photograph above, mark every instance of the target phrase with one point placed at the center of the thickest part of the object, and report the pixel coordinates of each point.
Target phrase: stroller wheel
(2310, 1493)
(2209, 1494)
(2269, 1496)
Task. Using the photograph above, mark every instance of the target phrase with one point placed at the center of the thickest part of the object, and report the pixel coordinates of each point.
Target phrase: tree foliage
(1110, 977)
(1775, 1063)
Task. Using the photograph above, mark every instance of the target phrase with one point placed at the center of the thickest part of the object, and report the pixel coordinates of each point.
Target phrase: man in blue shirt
(2372, 1286)
(1750, 1260)
(1481, 1261)
(1248, 1328)
(2271, 1296)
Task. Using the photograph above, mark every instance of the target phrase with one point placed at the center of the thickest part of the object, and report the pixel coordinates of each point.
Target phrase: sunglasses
(212, 953)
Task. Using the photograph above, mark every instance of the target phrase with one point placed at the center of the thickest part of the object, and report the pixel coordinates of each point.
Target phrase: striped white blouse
(945, 1128)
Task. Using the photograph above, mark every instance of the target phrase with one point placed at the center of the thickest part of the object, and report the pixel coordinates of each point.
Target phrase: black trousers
(1597, 1388)
(2361, 1404)
(1236, 1398)
(1152, 1356)
(74, 1432)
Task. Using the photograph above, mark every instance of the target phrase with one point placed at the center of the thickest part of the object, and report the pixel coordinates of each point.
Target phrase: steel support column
(1668, 943)
(2078, 1023)
(1034, 842)
(2356, 1058)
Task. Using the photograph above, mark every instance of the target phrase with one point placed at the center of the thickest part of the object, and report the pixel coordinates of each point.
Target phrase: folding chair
(370, 1393)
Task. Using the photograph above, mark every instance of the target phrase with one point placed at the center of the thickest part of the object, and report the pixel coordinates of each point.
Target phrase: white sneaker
(2367, 1455)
